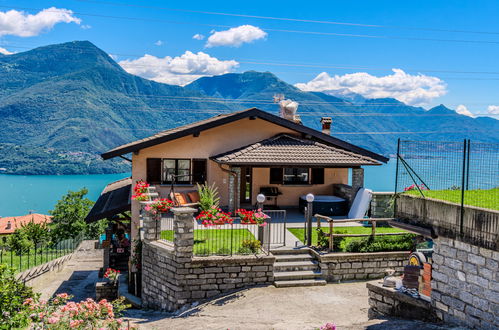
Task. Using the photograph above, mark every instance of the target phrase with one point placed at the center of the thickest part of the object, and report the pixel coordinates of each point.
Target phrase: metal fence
(23, 259)
(223, 240)
(464, 172)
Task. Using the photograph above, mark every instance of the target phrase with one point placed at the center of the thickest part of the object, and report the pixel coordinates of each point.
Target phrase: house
(244, 153)
(9, 224)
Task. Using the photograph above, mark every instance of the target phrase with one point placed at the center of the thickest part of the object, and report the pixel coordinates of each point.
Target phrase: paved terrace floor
(257, 308)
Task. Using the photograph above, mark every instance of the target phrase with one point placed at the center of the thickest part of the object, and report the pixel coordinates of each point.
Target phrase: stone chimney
(326, 125)
(297, 119)
(9, 225)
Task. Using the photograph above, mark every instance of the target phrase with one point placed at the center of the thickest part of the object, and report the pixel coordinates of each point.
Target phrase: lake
(20, 194)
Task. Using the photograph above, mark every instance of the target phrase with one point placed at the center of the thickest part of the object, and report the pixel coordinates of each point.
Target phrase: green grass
(300, 233)
(215, 241)
(488, 199)
(29, 260)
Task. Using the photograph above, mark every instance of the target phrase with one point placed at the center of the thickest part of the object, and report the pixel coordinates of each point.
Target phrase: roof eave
(252, 112)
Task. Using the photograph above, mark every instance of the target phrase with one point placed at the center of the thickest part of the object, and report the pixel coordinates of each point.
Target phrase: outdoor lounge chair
(187, 198)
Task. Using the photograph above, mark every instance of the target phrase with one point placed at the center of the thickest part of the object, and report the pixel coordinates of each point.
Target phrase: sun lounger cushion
(360, 204)
(193, 196)
(181, 198)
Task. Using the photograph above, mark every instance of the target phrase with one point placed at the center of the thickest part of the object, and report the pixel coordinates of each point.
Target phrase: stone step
(152, 194)
(293, 257)
(296, 275)
(295, 265)
(296, 283)
(287, 250)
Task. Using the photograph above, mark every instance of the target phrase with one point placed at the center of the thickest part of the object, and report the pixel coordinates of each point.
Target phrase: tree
(36, 232)
(19, 242)
(69, 214)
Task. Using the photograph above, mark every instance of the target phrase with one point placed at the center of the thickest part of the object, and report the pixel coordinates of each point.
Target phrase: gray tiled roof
(284, 149)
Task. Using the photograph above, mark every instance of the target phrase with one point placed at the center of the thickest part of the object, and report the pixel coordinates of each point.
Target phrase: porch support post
(234, 189)
(357, 179)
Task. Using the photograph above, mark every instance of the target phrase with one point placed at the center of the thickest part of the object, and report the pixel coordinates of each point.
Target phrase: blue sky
(301, 56)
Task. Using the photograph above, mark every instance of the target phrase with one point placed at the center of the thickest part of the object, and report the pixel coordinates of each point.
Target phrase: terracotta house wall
(291, 193)
(210, 142)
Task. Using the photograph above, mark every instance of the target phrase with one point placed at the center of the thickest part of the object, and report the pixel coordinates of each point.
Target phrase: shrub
(244, 250)
(12, 295)
(36, 232)
(224, 251)
(59, 313)
(19, 242)
(323, 240)
(208, 196)
(382, 243)
(202, 252)
(251, 244)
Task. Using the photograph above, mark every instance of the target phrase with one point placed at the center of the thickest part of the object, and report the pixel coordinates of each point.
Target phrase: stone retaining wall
(380, 205)
(465, 285)
(360, 266)
(388, 301)
(172, 277)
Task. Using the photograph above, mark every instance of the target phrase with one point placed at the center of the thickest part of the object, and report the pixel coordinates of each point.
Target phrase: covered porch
(286, 167)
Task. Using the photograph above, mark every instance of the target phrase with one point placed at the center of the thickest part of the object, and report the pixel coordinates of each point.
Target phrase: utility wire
(387, 37)
(290, 19)
(271, 63)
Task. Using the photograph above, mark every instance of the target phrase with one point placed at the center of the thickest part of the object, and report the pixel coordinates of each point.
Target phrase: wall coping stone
(361, 255)
(162, 245)
(183, 210)
(383, 193)
(452, 204)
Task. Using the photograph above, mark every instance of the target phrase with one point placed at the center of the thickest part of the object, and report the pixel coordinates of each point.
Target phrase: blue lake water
(20, 194)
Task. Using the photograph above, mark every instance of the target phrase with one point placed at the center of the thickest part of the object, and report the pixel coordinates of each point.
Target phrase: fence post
(463, 182)
(149, 222)
(331, 235)
(310, 209)
(396, 180)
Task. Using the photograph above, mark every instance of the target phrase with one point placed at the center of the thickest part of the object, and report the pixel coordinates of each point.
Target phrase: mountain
(61, 105)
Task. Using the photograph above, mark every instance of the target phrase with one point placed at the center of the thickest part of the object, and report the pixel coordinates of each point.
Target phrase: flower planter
(107, 290)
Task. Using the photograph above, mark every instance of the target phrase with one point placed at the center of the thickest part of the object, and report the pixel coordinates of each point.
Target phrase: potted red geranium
(214, 216)
(250, 217)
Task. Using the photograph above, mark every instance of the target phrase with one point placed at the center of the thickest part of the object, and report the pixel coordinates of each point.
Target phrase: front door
(245, 185)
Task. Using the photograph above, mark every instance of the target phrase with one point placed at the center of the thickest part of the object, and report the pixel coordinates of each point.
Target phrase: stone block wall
(465, 284)
(380, 205)
(169, 282)
(344, 191)
(172, 277)
(388, 301)
(360, 266)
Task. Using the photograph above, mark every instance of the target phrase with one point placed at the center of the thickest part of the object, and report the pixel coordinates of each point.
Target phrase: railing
(277, 227)
(332, 221)
(24, 259)
(223, 240)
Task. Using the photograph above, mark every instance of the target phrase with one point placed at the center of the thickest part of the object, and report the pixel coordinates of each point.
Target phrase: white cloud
(411, 89)
(5, 51)
(235, 37)
(493, 109)
(198, 36)
(159, 43)
(463, 110)
(179, 70)
(22, 24)
(86, 26)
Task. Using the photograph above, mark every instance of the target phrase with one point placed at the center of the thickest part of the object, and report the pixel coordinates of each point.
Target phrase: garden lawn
(300, 233)
(29, 260)
(215, 241)
(488, 199)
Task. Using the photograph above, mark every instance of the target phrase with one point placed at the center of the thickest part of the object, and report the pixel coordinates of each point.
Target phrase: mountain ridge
(74, 99)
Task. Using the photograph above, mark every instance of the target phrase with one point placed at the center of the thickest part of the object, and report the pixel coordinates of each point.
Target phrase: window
(295, 175)
(199, 171)
(317, 175)
(178, 170)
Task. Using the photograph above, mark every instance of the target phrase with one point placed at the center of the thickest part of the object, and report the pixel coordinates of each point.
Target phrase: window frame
(176, 171)
(296, 175)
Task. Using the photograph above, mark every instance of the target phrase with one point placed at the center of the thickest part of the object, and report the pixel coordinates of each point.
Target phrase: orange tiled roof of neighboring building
(9, 224)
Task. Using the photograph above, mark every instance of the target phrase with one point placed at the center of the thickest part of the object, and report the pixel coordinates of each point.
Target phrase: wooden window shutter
(317, 175)
(199, 171)
(276, 175)
(153, 170)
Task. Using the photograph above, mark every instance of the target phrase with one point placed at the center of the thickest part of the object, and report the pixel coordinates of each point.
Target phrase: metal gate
(277, 227)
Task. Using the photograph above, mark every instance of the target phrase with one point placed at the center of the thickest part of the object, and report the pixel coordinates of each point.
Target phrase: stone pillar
(234, 189)
(183, 233)
(381, 205)
(357, 178)
(149, 222)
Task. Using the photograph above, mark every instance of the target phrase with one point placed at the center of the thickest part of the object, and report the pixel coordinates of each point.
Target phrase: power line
(291, 19)
(271, 63)
(387, 37)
